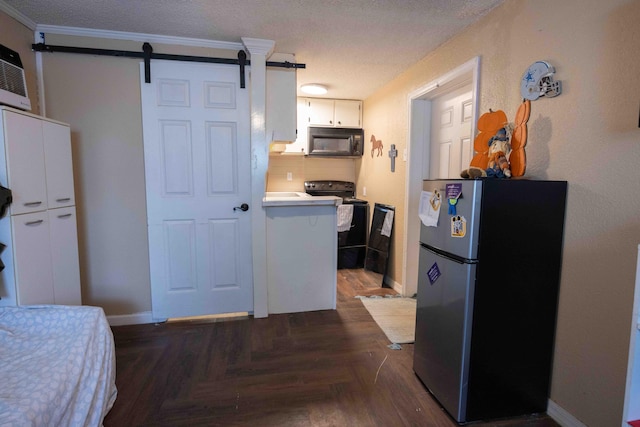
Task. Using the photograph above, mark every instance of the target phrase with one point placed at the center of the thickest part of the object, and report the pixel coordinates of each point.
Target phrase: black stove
(354, 201)
(344, 189)
(352, 244)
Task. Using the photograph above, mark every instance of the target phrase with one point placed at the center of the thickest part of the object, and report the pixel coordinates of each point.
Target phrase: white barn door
(197, 169)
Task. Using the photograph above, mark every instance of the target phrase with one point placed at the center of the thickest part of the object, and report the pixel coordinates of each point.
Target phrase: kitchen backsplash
(304, 168)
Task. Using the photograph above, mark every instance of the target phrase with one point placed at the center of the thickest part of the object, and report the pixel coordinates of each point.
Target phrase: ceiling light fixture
(314, 89)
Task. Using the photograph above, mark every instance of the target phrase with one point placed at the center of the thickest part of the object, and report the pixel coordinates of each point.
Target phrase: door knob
(243, 207)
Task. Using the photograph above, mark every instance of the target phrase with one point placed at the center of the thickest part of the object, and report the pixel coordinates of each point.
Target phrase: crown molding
(141, 37)
(258, 46)
(18, 16)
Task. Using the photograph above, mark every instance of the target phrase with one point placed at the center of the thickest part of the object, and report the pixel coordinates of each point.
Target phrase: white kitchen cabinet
(39, 229)
(301, 144)
(321, 112)
(281, 112)
(24, 166)
(63, 233)
(58, 165)
(32, 254)
(348, 113)
(334, 112)
(301, 257)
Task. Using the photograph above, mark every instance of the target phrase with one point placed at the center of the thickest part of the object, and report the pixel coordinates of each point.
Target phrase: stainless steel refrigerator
(487, 296)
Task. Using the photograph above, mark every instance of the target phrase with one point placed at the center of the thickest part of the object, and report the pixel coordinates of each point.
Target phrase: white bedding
(57, 366)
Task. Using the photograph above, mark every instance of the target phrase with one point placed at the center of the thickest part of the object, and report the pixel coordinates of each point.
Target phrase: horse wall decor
(376, 145)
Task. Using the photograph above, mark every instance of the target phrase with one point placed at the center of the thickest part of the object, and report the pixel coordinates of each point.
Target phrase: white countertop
(292, 198)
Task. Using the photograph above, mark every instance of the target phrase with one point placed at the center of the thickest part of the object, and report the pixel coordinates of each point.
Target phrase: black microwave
(331, 142)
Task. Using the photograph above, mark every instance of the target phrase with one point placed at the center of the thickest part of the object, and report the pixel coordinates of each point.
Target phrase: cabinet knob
(33, 203)
(40, 221)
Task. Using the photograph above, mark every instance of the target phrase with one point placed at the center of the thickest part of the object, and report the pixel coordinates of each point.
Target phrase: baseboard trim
(561, 416)
(394, 285)
(130, 319)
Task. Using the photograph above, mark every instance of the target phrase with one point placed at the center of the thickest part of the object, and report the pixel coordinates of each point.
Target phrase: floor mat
(396, 316)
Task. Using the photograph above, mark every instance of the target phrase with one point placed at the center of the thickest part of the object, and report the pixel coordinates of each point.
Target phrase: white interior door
(197, 169)
(451, 139)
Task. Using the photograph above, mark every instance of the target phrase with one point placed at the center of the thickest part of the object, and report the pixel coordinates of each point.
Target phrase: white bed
(57, 366)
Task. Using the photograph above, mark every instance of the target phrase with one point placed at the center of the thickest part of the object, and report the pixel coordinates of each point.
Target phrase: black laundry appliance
(352, 244)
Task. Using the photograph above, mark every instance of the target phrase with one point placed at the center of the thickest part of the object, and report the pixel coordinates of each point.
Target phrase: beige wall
(588, 136)
(100, 98)
(304, 168)
(19, 38)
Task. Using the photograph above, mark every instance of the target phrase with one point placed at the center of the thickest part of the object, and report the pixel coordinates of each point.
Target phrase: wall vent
(13, 85)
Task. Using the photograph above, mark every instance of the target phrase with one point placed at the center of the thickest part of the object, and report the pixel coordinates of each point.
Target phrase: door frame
(259, 50)
(418, 155)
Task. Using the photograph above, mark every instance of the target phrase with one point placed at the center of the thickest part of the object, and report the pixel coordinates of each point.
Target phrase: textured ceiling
(352, 46)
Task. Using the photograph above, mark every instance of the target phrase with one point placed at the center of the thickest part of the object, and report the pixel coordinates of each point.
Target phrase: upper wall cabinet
(334, 112)
(58, 165)
(301, 145)
(281, 100)
(23, 165)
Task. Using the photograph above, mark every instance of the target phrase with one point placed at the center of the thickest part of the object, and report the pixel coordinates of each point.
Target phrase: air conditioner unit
(13, 86)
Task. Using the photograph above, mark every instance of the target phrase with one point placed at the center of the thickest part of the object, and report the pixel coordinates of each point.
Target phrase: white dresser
(39, 229)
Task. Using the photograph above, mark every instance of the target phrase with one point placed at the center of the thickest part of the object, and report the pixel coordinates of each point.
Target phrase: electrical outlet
(364, 191)
(289, 176)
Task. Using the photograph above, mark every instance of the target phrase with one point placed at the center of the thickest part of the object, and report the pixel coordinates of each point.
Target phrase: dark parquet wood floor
(324, 368)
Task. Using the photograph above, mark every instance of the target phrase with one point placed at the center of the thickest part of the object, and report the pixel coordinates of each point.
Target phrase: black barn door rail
(147, 55)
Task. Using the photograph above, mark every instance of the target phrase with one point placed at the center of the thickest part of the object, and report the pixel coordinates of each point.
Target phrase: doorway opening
(421, 103)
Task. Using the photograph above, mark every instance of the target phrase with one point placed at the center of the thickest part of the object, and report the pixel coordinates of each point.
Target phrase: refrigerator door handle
(452, 257)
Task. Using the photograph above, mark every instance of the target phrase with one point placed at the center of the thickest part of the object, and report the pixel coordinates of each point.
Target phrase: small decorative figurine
(499, 145)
